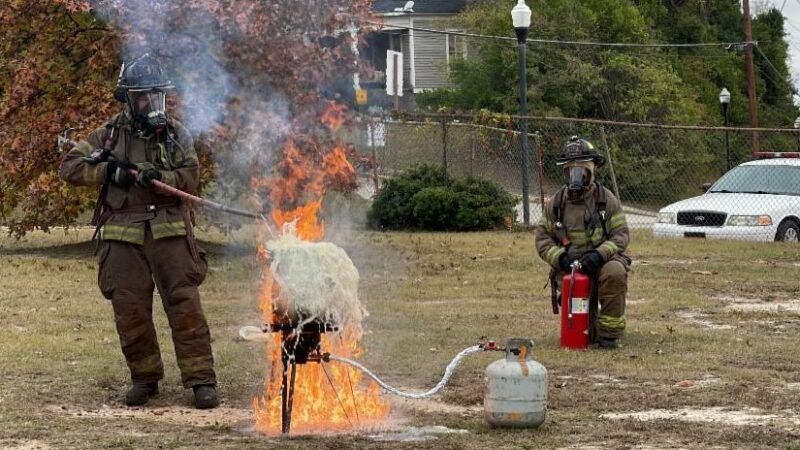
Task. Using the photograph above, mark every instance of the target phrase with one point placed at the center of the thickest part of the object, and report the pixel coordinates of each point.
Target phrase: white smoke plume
(187, 39)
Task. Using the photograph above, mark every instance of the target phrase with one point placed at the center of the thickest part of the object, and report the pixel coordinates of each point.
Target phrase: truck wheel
(788, 231)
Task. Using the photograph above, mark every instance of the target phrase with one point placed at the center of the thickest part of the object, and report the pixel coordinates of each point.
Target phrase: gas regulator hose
(448, 372)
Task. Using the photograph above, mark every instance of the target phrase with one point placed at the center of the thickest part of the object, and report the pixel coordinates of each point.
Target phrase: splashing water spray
(318, 286)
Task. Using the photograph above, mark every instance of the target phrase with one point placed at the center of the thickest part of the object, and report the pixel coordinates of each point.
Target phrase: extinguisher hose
(448, 372)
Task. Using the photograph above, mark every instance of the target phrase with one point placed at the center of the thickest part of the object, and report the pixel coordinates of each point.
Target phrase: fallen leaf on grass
(704, 272)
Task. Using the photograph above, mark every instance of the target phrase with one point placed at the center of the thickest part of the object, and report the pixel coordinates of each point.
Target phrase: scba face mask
(149, 109)
(578, 177)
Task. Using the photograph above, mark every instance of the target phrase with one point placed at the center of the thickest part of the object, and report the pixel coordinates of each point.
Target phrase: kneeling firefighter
(584, 222)
(147, 237)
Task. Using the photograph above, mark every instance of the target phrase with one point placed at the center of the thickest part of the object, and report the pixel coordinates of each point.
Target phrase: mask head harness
(579, 159)
(142, 85)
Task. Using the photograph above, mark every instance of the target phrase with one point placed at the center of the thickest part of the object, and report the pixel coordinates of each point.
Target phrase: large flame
(330, 397)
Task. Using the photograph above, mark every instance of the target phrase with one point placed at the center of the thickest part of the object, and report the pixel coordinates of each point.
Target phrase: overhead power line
(774, 70)
(558, 42)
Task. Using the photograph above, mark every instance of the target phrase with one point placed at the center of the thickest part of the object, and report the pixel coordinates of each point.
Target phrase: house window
(396, 41)
(456, 47)
(373, 52)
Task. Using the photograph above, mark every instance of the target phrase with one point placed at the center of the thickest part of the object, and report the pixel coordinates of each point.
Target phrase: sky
(791, 12)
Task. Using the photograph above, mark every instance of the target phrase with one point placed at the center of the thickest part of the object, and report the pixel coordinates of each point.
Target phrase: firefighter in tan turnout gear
(584, 222)
(147, 239)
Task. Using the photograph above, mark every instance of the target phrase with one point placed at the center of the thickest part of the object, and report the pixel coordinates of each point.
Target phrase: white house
(426, 56)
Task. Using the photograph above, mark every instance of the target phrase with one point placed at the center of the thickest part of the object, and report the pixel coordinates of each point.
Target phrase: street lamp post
(797, 127)
(725, 100)
(521, 17)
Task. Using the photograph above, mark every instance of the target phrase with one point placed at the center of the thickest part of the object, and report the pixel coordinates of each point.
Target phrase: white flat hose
(448, 372)
(253, 334)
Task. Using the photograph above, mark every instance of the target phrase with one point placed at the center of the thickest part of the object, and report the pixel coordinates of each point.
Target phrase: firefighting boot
(139, 394)
(205, 396)
(607, 343)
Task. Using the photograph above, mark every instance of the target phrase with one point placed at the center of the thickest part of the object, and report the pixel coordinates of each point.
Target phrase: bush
(426, 198)
(436, 208)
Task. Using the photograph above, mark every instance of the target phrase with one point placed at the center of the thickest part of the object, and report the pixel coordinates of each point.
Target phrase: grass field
(709, 359)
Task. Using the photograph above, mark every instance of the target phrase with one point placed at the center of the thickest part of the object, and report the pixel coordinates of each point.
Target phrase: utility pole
(751, 76)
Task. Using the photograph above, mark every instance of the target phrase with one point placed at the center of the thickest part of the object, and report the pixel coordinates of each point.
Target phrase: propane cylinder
(516, 388)
(575, 311)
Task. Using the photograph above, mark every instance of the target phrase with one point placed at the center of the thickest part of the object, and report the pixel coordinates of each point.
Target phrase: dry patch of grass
(689, 346)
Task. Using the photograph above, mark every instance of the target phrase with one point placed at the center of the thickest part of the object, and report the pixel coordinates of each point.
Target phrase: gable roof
(421, 6)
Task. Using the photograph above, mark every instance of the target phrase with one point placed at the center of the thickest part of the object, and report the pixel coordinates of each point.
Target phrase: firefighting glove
(591, 262)
(119, 172)
(147, 174)
(564, 262)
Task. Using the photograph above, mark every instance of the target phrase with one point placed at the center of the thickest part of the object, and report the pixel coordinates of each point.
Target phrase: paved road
(637, 219)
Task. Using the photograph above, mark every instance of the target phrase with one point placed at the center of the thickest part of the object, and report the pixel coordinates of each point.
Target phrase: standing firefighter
(584, 222)
(147, 239)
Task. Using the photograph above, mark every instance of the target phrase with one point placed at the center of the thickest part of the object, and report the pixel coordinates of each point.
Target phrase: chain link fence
(648, 166)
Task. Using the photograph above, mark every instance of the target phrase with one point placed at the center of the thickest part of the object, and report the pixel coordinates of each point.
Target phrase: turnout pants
(612, 287)
(127, 276)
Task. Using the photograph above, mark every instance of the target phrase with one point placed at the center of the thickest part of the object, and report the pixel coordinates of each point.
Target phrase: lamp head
(724, 96)
(521, 15)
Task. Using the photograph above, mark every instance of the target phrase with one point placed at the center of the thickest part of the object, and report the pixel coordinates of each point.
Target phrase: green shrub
(393, 208)
(436, 208)
(426, 198)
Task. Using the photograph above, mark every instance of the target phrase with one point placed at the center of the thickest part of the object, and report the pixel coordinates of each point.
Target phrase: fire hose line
(448, 372)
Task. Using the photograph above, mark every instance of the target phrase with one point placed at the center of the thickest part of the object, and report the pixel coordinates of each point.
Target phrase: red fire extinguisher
(576, 290)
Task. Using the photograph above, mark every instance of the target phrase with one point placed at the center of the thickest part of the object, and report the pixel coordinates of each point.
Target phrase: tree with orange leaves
(56, 64)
